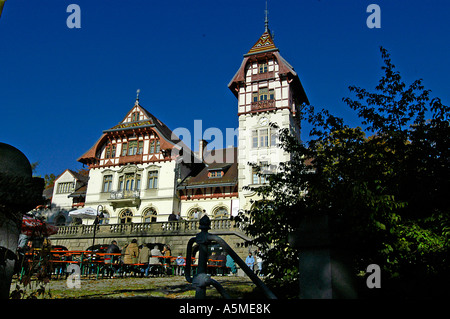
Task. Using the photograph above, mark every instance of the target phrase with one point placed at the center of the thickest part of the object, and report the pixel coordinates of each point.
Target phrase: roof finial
(266, 20)
(137, 97)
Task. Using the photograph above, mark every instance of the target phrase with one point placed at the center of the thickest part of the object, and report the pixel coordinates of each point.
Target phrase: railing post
(201, 280)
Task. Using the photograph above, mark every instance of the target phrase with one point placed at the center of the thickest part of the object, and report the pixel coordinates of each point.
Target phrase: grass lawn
(173, 287)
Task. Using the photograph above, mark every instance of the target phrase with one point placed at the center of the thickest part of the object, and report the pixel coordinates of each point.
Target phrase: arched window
(195, 213)
(149, 215)
(125, 216)
(221, 212)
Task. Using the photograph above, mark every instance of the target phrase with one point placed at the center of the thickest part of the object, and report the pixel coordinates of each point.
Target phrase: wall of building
(162, 199)
(60, 197)
(271, 154)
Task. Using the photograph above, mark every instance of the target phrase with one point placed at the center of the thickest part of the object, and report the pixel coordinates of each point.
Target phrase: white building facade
(132, 170)
(140, 172)
(68, 193)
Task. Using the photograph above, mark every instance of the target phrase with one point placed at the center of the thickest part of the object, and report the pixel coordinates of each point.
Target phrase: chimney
(202, 148)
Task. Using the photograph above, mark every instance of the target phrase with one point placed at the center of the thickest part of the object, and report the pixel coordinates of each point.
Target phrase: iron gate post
(202, 267)
(201, 280)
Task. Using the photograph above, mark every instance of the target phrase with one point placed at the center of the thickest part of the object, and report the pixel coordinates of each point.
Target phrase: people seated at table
(113, 249)
(181, 263)
(149, 259)
(112, 261)
(154, 263)
(131, 253)
(221, 262)
(212, 258)
(144, 254)
(154, 260)
(144, 257)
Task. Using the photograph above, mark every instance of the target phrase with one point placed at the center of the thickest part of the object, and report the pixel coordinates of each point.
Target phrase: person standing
(250, 260)
(173, 217)
(167, 253)
(232, 265)
(259, 262)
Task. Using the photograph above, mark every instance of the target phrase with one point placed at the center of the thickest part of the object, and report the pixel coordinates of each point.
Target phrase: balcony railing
(264, 104)
(135, 194)
(140, 228)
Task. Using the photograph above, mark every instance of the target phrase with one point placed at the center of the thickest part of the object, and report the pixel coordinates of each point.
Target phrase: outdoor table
(110, 265)
(217, 267)
(94, 263)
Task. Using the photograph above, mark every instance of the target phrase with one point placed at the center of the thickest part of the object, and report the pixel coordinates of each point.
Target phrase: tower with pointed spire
(268, 89)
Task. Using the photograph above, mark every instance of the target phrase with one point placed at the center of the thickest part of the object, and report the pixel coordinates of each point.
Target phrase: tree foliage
(386, 192)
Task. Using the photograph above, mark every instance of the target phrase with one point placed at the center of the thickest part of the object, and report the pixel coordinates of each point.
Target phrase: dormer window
(135, 147)
(218, 170)
(110, 151)
(132, 148)
(215, 174)
(155, 147)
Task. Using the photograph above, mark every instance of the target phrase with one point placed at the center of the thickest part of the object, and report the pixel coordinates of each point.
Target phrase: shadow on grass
(170, 288)
(151, 293)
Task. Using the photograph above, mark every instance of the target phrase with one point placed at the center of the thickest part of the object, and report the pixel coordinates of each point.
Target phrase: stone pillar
(323, 262)
(19, 193)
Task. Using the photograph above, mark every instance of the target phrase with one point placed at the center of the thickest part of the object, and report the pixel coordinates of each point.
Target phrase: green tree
(49, 179)
(386, 194)
(34, 166)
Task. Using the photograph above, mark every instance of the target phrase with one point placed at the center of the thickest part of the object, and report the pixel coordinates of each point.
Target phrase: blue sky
(60, 87)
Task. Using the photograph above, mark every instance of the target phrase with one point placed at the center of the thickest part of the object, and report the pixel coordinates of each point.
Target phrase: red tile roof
(223, 160)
